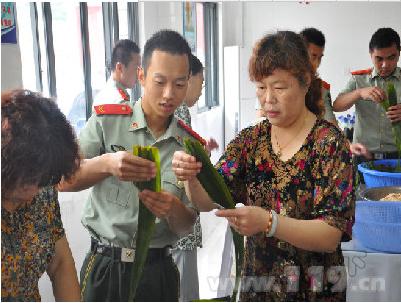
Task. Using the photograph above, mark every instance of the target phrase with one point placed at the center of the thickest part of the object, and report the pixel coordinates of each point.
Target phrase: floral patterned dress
(28, 238)
(316, 183)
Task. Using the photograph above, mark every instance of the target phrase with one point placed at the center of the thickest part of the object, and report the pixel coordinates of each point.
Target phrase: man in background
(366, 89)
(315, 41)
(124, 65)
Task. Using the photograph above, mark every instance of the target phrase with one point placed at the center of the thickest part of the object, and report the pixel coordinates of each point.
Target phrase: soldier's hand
(375, 93)
(360, 150)
(162, 205)
(394, 113)
(126, 167)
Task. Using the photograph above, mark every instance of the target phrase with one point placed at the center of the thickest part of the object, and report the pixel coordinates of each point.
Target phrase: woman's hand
(211, 144)
(247, 220)
(185, 166)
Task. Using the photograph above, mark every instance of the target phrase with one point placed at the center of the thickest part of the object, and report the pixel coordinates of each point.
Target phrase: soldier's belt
(128, 254)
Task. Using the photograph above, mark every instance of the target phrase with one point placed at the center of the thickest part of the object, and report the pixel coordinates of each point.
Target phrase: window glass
(26, 45)
(68, 61)
(200, 48)
(96, 47)
(122, 20)
(43, 55)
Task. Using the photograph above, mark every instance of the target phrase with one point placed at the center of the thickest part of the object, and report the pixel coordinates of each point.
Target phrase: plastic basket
(374, 178)
(378, 225)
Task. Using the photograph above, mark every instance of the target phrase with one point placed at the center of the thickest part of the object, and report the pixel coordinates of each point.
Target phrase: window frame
(48, 33)
(111, 36)
(36, 45)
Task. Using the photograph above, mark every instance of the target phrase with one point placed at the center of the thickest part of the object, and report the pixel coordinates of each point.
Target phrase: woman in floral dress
(294, 175)
(38, 148)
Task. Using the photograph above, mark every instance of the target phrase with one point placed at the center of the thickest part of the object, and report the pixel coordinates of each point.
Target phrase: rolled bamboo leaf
(217, 190)
(396, 126)
(146, 220)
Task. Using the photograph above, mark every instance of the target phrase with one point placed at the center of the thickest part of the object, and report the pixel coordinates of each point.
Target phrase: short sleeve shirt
(372, 126)
(316, 183)
(111, 211)
(113, 93)
(328, 105)
(28, 240)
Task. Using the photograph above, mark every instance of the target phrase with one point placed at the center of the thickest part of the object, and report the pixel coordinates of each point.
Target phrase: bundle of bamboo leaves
(146, 220)
(216, 188)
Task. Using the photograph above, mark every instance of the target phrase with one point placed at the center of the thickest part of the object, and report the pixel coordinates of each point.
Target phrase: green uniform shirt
(372, 126)
(329, 114)
(114, 92)
(328, 105)
(111, 211)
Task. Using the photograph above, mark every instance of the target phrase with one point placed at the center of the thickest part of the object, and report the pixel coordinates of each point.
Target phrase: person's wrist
(268, 224)
(272, 230)
(105, 161)
(360, 94)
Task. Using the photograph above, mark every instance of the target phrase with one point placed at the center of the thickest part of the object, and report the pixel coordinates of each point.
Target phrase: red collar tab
(193, 133)
(360, 72)
(113, 109)
(123, 94)
(325, 85)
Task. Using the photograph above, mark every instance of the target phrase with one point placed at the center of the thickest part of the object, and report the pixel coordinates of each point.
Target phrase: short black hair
(168, 41)
(122, 52)
(313, 35)
(384, 37)
(197, 65)
(38, 144)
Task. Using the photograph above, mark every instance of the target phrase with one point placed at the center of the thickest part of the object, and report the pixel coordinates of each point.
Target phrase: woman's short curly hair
(38, 144)
(287, 50)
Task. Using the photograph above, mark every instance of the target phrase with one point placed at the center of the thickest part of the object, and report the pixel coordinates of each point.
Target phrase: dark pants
(105, 278)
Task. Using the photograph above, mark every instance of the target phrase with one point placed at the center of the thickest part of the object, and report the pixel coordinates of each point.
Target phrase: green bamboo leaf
(391, 94)
(217, 189)
(146, 220)
(396, 126)
(208, 176)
